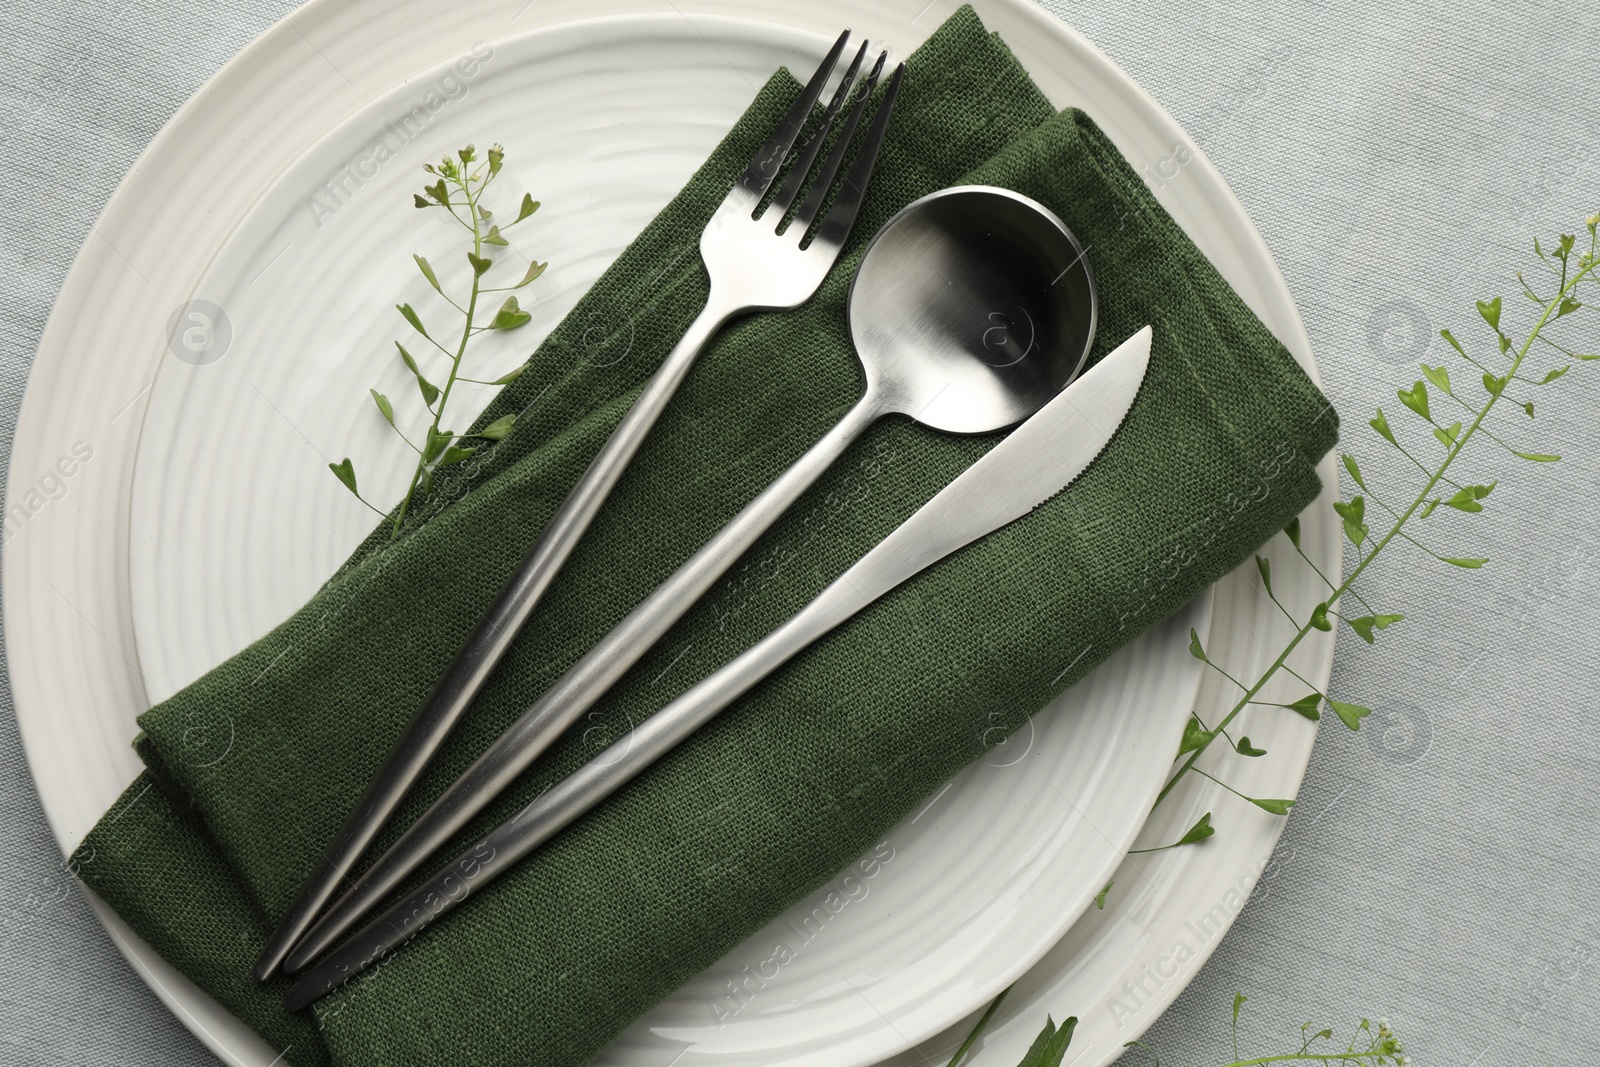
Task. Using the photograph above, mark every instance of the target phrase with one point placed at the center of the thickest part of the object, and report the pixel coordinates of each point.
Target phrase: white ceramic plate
(175, 228)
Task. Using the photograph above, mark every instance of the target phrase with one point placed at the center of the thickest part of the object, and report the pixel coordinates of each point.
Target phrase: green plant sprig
(1570, 269)
(460, 191)
(1367, 1048)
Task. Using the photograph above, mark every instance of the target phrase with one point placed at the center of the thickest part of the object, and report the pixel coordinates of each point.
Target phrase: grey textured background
(1397, 157)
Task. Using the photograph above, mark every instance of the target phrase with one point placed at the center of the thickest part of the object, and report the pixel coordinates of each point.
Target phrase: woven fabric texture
(799, 777)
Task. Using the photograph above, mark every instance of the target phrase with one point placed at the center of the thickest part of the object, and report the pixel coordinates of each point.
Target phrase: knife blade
(1036, 461)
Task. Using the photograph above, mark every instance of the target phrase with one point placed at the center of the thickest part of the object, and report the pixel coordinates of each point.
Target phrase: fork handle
(577, 690)
(489, 642)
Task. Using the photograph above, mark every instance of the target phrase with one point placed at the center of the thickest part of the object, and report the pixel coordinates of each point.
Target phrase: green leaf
(1245, 748)
(1439, 376)
(1468, 564)
(455, 454)
(1353, 514)
(345, 471)
(510, 316)
(1309, 705)
(529, 206)
(1050, 1046)
(534, 270)
(1349, 714)
(1199, 831)
(1100, 897)
(497, 429)
(1355, 471)
(1319, 617)
(1264, 566)
(1195, 737)
(1490, 311)
(1553, 375)
(479, 264)
(493, 237)
(1194, 646)
(383, 405)
(1537, 457)
(438, 440)
(1416, 398)
(510, 376)
(1494, 386)
(427, 272)
(1277, 807)
(410, 315)
(1447, 434)
(1367, 623)
(1448, 336)
(1381, 424)
(1352, 511)
(429, 391)
(1292, 531)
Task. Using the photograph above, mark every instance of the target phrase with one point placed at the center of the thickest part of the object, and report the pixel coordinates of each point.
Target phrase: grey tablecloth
(1397, 157)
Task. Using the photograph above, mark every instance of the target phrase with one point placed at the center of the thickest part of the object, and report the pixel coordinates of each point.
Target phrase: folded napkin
(802, 775)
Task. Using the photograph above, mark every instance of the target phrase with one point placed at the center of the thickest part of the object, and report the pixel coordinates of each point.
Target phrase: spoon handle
(576, 691)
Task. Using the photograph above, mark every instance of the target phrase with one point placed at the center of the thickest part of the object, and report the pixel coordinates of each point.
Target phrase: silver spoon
(972, 308)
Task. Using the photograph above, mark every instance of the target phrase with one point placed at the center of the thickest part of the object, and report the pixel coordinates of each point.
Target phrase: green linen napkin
(804, 774)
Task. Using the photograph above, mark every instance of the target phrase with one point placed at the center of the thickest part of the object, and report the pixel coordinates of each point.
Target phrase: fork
(754, 263)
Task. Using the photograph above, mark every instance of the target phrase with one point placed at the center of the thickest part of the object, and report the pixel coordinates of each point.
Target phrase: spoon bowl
(972, 307)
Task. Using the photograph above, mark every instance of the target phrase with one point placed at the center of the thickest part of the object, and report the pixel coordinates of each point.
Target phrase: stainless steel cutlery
(971, 309)
(1034, 463)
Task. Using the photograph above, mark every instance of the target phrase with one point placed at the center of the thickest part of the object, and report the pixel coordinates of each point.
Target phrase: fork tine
(802, 166)
(757, 177)
(837, 223)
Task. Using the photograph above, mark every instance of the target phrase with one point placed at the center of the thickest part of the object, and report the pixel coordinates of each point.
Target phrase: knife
(1035, 462)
